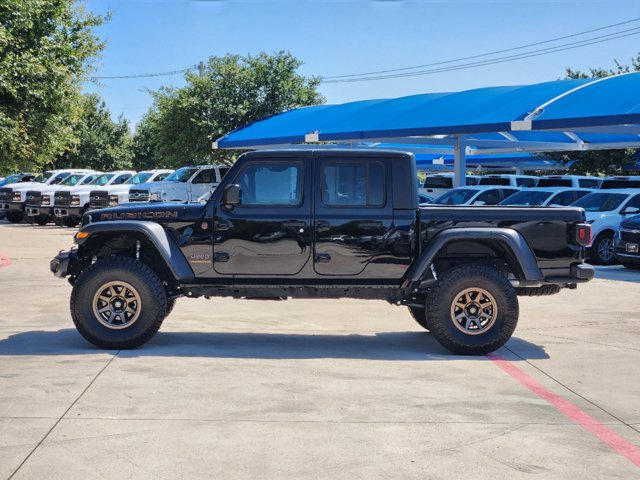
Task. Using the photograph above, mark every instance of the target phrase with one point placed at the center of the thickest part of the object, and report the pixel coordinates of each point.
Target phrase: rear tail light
(583, 234)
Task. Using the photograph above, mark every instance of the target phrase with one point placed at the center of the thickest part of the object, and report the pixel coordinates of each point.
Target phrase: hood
(154, 186)
(631, 223)
(113, 188)
(166, 211)
(18, 187)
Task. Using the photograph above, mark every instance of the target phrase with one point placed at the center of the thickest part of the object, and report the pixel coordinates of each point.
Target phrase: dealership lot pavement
(313, 388)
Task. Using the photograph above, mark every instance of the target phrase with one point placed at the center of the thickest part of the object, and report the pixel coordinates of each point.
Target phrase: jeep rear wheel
(473, 310)
(118, 303)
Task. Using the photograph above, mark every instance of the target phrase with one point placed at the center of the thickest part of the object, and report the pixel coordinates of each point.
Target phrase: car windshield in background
(89, 179)
(494, 181)
(43, 177)
(139, 178)
(10, 179)
(609, 184)
(455, 197)
(181, 175)
(438, 182)
(527, 198)
(103, 179)
(601, 202)
(57, 180)
(71, 180)
(554, 182)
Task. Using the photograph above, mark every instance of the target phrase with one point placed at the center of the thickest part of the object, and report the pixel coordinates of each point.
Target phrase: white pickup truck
(114, 195)
(186, 184)
(71, 202)
(13, 197)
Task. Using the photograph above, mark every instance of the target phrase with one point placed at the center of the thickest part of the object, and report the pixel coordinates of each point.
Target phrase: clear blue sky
(343, 37)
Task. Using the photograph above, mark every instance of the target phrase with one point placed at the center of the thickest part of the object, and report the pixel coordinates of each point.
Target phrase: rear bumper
(578, 273)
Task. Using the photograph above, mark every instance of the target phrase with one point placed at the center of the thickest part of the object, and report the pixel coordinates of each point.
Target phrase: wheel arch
(157, 248)
(487, 243)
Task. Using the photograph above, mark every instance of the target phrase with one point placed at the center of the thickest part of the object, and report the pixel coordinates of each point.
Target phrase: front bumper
(62, 212)
(36, 211)
(59, 266)
(12, 207)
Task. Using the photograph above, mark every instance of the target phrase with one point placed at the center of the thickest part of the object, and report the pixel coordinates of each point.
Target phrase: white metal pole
(459, 162)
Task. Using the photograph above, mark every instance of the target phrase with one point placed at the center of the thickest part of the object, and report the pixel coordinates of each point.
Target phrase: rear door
(353, 215)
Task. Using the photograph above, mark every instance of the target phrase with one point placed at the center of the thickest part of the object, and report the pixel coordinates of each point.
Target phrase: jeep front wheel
(118, 303)
(473, 310)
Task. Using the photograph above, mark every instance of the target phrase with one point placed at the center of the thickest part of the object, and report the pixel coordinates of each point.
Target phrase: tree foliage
(599, 162)
(231, 91)
(46, 49)
(99, 142)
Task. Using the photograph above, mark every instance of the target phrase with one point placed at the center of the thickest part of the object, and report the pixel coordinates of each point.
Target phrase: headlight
(46, 200)
(75, 200)
(155, 197)
(113, 200)
(17, 197)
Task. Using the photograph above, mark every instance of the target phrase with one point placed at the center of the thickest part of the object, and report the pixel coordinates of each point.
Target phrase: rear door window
(353, 184)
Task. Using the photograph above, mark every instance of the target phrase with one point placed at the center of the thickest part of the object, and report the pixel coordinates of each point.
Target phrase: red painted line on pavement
(4, 261)
(625, 448)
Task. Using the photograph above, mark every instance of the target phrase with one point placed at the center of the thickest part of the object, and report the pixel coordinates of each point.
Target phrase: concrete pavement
(308, 388)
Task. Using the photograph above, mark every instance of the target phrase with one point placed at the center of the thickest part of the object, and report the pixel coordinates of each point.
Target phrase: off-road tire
(420, 316)
(596, 259)
(153, 303)
(538, 291)
(41, 220)
(446, 292)
(14, 217)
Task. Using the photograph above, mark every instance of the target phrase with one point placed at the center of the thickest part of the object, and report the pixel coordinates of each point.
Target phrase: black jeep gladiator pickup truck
(322, 223)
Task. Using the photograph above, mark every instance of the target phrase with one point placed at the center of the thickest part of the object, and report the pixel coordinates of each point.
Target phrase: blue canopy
(580, 114)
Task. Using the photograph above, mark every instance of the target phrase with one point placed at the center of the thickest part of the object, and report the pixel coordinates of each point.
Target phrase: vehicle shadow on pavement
(401, 346)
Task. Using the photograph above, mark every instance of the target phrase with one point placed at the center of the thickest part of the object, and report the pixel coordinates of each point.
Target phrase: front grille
(138, 195)
(34, 197)
(629, 236)
(62, 199)
(98, 199)
(6, 194)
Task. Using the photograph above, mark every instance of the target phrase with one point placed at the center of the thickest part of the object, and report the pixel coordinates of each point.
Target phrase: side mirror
(231, 195)
(479, 202)
(631, 211)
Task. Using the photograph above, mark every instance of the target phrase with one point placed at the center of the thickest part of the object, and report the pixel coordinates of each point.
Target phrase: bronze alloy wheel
(474, 311)
(117, 305)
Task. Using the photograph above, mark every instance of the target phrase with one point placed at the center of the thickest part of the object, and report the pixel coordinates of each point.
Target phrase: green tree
(99, 142)
(599, 162)
(231, 92)
(47, 47)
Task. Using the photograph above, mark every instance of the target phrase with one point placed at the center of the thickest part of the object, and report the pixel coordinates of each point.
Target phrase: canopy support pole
(460, 162)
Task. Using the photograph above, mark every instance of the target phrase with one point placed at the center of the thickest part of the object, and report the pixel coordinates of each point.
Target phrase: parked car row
(606, 210)
(63, 196)
(439, 183)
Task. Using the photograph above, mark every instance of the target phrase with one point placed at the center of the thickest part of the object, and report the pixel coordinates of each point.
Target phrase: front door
(269, 232)
(353, 217)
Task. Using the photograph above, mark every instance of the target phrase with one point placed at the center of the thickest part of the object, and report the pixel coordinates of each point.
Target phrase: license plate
(632, 247)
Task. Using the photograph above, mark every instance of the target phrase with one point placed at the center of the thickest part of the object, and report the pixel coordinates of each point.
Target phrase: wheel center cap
(472, 310)
(118, 304)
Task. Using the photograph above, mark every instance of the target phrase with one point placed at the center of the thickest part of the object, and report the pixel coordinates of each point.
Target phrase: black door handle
(294, 224)
(223, 225)
(322, 258)
(322, 226)
(220, 257)
(371, 224)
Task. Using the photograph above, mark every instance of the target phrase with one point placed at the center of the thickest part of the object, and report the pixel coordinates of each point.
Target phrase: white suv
(509, 180)
(605, 209)
(117, 194)
(580, 181)
(436, 184)
(186, 184)
(621, 182)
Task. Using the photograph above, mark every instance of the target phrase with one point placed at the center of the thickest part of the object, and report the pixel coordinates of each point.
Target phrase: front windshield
(59, 178)
(102, 179)
(42, 177)
(455, 197)
(10, 179)
(89, 179)
(527, 198)
(601, 202)
(139, 178)
(181, 175)
(73, 179)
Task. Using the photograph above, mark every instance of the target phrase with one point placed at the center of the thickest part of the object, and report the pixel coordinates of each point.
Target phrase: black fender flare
(164, 244)
(508, 237)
